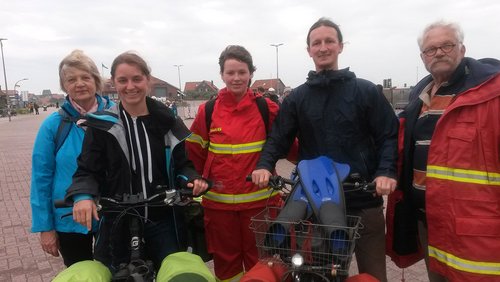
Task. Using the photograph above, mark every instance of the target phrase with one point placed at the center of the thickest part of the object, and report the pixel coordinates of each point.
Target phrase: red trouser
(231, 241)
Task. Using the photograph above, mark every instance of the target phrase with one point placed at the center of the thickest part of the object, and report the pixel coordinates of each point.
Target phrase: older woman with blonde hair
(57, 145)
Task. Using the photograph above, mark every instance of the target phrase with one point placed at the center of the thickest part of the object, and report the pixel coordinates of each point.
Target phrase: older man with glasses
(450, 162)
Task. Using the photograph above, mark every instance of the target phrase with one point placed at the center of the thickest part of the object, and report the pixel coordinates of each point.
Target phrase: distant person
(226, 152)
(285, 94)
(35, 106)
(173, 106)
(52, 167)
(337, 115)
(269, 94)
(273, 97)
(130, 149)
(451, 161)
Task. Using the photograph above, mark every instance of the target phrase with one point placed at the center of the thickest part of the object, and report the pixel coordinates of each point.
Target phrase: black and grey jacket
(125, 155)
(337, 115)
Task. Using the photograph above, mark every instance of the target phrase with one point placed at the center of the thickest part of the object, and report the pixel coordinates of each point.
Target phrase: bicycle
(139, 268)
(309, 248)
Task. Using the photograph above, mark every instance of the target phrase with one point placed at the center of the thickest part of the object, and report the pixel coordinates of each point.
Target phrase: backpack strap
(261, 104)
(209, 110)
(64, 128)
(264, 111)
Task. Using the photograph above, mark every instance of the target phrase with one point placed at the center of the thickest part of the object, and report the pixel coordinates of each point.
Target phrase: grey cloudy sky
(380, 35)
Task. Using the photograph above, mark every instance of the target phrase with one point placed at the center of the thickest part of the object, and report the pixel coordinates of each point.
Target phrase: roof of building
(193, 85)
(267, 83)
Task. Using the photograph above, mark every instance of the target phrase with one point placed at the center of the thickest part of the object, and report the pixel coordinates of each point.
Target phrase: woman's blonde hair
(77, 59)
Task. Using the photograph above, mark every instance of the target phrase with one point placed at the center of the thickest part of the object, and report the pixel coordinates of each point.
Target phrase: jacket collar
(469, 73)
(103, 103)
(161, 117)
(228, 99)
(327, 78)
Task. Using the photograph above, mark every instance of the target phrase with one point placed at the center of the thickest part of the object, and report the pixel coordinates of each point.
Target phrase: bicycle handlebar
(168, 197)
(369, 187)
(276, 182)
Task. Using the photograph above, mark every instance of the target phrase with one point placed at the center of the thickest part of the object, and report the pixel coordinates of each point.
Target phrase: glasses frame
(446, 48)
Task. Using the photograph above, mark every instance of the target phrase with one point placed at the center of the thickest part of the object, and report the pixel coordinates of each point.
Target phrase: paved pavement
(21, 257)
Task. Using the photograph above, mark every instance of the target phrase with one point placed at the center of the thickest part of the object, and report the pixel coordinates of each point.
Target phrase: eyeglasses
(447, 48)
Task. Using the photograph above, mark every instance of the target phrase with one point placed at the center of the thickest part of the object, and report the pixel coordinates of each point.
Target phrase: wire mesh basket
(324, 248)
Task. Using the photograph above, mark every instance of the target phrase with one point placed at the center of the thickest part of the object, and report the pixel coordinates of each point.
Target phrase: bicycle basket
(325, 248)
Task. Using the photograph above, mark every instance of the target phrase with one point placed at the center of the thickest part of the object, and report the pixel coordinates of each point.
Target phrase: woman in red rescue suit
(226, 153)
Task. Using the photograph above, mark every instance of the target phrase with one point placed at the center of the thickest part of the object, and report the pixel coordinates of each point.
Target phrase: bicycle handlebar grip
(186, 192)
(61, 204)
(364, 186)
(274, 179)
(370, 187)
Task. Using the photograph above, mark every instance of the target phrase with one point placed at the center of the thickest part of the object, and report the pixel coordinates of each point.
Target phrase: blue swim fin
(321, 180)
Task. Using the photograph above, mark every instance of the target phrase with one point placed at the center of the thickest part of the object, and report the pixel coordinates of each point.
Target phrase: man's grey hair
(455, 27)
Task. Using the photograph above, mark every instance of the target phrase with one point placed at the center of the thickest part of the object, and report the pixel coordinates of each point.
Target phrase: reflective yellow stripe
(195, 138)
(240, 198)
(463, 175)
(234, 149)
(479, 267)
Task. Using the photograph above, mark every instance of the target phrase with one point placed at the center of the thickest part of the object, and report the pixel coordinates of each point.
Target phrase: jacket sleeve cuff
(389, 174)
(81, 197)
(270, 169)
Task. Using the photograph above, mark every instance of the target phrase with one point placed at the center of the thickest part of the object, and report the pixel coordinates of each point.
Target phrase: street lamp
(277, 68)
(17, 82)
(179, 73)
(17, 85)
(180, 89)
(5, 78)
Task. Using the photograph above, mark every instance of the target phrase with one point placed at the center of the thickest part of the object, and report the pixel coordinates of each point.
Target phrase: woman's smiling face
(131, 84)
(236, 76)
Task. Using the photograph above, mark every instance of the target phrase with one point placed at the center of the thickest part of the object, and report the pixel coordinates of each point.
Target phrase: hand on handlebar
(260, 177)
(84, 211)
(385, 185)
(199, 186)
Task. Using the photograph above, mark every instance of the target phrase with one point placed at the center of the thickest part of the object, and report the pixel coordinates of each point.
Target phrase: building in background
(200, 90)
(398, 97)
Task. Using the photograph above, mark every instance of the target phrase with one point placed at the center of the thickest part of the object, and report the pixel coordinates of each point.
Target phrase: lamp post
(17, 85)
(277, 68)
(5, 78)
(180, 88)
(179, 74)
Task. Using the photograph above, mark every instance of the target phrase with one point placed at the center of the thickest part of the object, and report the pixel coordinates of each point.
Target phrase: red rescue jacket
(463, 187)
(228, 151)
